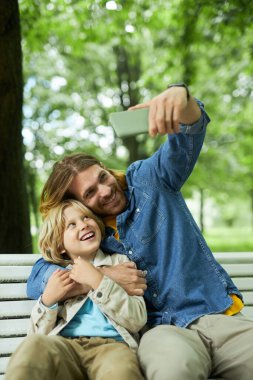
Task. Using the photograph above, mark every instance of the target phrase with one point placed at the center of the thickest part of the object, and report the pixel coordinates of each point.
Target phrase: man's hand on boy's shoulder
(128, 277)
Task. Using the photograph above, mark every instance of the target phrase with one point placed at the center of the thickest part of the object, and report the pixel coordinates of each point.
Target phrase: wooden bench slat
(248, 298)
(234, 257)
(18, 259)
(9, 345)
(13, 327)
(16, 308)
(243, 283)
(12, 291)
(3, 364)
(11, 273)
(239, 270)
(248, 311)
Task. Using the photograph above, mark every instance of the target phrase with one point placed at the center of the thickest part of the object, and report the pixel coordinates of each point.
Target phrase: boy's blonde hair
(51, 234)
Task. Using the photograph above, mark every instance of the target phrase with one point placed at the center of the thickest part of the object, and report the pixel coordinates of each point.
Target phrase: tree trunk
(14, 218)
(190, 14)
(128, 72)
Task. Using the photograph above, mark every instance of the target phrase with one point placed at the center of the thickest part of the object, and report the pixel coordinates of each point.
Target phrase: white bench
(15, 308)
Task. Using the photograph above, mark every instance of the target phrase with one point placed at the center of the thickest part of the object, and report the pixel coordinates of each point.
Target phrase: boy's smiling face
(82, 235)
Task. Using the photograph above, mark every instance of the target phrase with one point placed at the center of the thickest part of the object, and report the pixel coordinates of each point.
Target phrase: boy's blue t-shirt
(90, 321)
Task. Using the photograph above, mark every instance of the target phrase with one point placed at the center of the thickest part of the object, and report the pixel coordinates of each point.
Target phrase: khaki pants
(42, 357)
(216, 346)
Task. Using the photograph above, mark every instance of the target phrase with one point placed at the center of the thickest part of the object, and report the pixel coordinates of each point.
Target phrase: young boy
(86, 337)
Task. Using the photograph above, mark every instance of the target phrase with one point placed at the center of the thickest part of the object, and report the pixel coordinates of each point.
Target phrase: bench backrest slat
(239, 270)
(244, 283)
(248, 298)
(13, 327)
(234, 257)
(9, 345)
(17, 259)
(3, 364)
(12, 291)
(14, 274)
(16, 308)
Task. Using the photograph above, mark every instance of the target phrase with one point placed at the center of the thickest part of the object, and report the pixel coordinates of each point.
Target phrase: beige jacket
(126, 313)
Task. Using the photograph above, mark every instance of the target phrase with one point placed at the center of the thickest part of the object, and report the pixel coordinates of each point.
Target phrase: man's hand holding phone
(161, 115)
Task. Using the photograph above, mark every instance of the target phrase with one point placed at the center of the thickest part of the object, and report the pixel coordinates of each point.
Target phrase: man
(189, 297)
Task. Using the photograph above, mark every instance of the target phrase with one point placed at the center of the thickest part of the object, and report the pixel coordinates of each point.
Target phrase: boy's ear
(62, 250)
(65, 255)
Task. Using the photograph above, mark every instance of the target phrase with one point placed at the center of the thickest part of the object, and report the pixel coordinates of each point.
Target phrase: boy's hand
(128, 277)
(84, 272)
(76, 290)
(59, 284)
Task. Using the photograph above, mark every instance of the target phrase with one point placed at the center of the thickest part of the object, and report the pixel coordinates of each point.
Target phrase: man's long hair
(56, 188)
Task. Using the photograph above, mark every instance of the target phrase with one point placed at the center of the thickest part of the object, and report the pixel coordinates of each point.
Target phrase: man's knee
(168, 352)
(158, 337)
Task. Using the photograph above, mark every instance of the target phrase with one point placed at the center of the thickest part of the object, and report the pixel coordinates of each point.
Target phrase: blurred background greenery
(85, 59)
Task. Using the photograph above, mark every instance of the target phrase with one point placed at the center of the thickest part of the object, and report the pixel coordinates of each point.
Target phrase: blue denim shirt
(158, 232)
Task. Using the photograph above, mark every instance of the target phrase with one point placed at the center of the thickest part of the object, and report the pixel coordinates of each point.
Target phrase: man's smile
(112, 198)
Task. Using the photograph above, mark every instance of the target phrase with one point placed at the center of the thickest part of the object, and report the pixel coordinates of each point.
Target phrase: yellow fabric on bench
(236, 307)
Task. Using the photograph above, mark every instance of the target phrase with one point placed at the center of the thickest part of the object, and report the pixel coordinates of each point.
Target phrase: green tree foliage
(85, 59)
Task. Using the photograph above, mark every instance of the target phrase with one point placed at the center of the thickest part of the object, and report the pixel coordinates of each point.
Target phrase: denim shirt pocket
(146, 220)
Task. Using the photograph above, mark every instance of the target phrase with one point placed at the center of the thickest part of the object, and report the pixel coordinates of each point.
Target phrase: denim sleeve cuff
(199, 126)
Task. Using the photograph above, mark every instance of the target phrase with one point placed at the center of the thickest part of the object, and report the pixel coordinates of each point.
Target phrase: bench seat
(15, 308)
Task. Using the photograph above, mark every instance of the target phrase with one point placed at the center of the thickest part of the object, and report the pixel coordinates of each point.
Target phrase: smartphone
(127, 123)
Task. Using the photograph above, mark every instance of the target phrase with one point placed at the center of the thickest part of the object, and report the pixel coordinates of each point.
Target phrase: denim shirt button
(154, 295)
(130, 252)
(137, 210)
